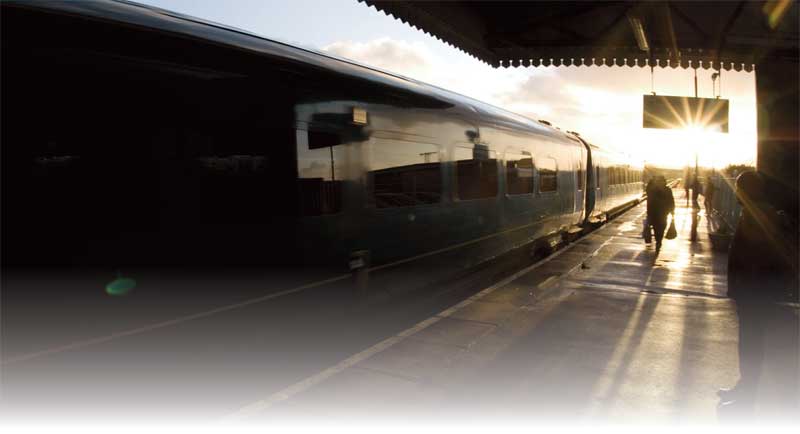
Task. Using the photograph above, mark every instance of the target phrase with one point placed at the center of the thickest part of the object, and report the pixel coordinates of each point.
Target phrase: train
(136, 138)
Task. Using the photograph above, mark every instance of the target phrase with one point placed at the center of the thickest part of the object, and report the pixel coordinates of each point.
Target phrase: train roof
(150, 17)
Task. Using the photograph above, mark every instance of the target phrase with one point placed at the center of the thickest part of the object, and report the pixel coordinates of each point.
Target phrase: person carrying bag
(660, 204)
(672, 233)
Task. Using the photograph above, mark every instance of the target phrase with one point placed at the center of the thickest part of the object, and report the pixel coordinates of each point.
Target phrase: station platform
(603, 330)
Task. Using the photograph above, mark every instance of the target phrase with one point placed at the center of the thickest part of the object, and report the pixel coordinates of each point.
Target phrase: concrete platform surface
(605, 330)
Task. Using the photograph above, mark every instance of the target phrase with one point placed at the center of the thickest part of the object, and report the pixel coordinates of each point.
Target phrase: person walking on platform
(696, 187)
(647, 231)
(660, 203)
(686, 183)
(709, 191)
(763, 282)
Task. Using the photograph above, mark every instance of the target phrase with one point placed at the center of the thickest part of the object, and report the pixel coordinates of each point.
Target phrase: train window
(612, 178)
(404, 174)
(319, 172)
(548, 174)
(476, 172)
(580, 178)
(519, 174)
(597, 179)
(221, 172)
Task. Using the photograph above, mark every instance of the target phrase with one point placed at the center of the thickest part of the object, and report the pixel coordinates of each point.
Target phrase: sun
(707, 142)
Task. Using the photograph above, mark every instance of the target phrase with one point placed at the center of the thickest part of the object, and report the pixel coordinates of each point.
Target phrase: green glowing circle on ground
(120, 286)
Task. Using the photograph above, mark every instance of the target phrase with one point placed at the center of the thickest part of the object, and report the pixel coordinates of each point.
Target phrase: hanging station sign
(709, 114)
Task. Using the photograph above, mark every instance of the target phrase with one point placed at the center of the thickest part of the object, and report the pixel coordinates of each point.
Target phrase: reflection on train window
(580, 178)
(548, 174)
(597, 179)
(220, 174)
(319, 172)
(519, 174)
(476, 172)
(404, 174)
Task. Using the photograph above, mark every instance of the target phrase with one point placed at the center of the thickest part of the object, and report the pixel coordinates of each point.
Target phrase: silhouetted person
(695, 191)
(708, 192)
(695, 223)
(660, 203)
(762, 278)
(647, 231)
(686, 183)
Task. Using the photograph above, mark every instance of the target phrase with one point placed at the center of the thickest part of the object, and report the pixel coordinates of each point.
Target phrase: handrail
(724, 208)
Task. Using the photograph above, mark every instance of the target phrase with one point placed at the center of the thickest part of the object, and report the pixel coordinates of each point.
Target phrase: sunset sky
(604, 104)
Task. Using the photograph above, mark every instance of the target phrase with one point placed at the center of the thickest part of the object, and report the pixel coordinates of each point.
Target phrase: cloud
(410, 59)
(452, 71)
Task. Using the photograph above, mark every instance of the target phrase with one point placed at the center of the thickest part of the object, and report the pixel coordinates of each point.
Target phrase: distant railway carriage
(136, 137)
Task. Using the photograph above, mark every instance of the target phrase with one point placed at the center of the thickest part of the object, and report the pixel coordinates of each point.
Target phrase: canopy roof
(705, 34)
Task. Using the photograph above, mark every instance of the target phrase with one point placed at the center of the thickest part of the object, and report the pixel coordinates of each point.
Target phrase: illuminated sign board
(669, 112)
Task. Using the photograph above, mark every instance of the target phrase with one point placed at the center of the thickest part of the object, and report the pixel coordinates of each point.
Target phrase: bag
(646, 233)
(672, 233)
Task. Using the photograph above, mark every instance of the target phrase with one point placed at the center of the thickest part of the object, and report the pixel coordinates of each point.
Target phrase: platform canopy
(690, 34)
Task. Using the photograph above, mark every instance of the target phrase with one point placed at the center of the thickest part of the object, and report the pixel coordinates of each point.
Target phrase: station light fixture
(638, 32)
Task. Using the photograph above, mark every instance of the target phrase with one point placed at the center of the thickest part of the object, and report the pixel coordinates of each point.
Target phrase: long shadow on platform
(576, 358)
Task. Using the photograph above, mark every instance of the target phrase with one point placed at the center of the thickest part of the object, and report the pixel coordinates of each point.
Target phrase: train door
(580, 185)
(326, 180)
(475, 189)
(549, 206)
(590, 181)
(519, 174)
(598, 189)
(404, 186)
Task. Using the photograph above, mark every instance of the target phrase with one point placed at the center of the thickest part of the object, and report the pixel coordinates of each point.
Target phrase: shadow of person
(695, 221)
